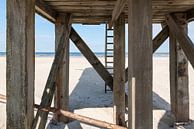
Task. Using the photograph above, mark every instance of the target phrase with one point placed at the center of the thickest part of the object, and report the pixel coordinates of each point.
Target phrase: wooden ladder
(109, 52)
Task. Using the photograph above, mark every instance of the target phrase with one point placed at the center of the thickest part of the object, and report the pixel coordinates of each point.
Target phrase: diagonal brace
(183, 39)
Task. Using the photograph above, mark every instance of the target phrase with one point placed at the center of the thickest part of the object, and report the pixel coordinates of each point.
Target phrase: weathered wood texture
(140, 62)
(119, 7)
(182, 37)
(45, 11)
(119, 71)
(62, 79)
(100, 11)
(160, 38)
(157, 42)
(83, 119)
(20, 64)
(179, 89)
(41, 117)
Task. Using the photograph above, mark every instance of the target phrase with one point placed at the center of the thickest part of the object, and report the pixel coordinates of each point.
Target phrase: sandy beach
(87, 95)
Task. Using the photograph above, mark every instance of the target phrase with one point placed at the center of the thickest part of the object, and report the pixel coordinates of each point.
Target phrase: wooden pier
(173, 15)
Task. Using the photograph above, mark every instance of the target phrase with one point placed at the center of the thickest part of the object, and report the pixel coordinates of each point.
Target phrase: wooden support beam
(179, 90)
(119, 71)
(41, 117)
(140, 63)
(183, 39)
(160, 38)
(90, 56)
(62, 81)
(119, 7)
(83, 119)
(20, 64)
(157, 42)
(45, 11)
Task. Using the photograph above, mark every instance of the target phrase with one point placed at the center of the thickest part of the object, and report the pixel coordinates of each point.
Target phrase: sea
(77, 54)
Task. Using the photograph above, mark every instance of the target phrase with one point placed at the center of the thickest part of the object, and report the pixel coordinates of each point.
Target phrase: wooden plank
(131, 110)
(157, 42)
(20, 69)
(173, 71)
(112, 2)
(160, 38)
(183, 39)
(119, 71)
(179, 75)
(83, 119)
(45, 11)
(160, 8)
(140, 63)
(46, 100)
(118, 8)
(62, 82)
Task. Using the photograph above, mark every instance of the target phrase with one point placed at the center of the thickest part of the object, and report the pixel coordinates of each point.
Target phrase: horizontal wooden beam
(83, 119)
(118, 8)
(45, 11)
(157, 42)
(112, 2)
(183, 39)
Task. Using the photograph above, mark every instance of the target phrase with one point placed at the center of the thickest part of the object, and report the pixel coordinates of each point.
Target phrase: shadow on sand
(89, 93)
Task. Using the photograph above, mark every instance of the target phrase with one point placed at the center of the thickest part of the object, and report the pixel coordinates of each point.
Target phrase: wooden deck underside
(100, 11)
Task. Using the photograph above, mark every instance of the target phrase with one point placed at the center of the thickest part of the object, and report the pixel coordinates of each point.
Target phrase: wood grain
(62, 79)
(110, 9)
(20, 68)
(140, 64)
(119, 71)
(179, 89)
(183, 39)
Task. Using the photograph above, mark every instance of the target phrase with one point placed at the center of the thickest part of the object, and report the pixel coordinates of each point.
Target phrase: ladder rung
(109, 49)
(109, 36)
(109, 29)
(109, 43)
(109, 56)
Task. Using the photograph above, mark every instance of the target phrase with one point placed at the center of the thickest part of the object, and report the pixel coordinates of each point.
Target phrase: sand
(87, 95)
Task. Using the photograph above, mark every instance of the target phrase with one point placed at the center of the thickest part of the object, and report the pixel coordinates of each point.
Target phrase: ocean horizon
(77, 54)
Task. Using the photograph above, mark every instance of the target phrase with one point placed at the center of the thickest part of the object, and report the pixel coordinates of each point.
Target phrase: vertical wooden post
(119, 71)
(20, 64)
(140, 64)
(179, 90)
(62, 83)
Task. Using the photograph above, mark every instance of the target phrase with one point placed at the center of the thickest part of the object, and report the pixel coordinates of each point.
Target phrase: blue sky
(94, 35)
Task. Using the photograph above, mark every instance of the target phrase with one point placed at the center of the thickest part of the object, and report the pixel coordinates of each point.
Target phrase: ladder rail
(109, 51)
